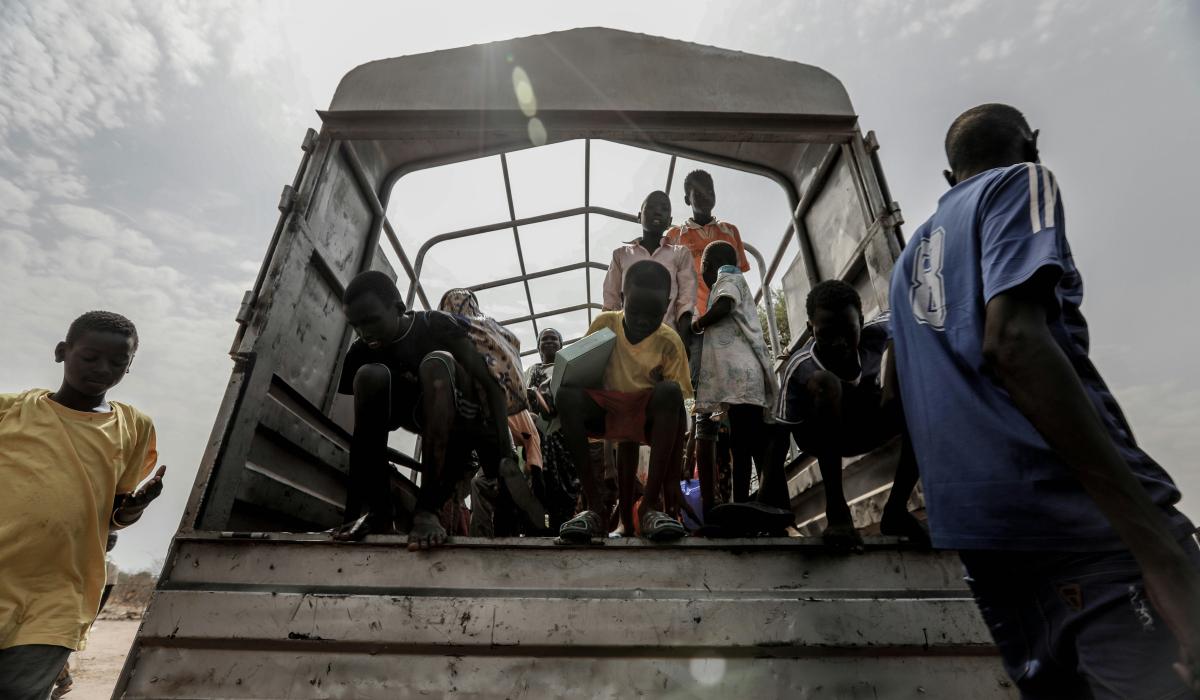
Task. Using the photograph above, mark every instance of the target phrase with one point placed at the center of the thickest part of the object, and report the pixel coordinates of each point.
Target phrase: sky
(143, 146)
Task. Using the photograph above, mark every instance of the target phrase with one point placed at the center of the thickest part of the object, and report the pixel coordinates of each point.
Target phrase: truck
(255, 602)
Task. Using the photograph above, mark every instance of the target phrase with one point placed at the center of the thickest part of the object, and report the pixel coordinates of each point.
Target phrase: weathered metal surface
(223, 673)
(304, 617)
(623, 71)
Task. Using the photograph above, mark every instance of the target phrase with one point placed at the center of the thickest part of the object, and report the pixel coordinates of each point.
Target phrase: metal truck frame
(246, 609)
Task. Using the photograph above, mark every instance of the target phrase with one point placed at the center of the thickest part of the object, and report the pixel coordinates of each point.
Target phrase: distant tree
(779, 303)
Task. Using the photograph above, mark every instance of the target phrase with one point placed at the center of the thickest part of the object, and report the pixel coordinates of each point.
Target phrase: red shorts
(624, 415)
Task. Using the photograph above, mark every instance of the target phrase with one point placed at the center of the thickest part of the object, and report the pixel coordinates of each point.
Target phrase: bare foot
(365, 525)
(904, 525)
(426, 533)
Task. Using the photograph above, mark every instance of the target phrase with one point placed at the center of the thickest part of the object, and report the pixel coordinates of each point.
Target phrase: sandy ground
(96, 668)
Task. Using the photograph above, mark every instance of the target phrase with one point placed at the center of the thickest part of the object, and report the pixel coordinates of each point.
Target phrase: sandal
(657, 526)
(583, 528)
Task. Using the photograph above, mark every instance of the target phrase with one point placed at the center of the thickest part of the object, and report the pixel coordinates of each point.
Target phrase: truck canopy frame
(277, 457)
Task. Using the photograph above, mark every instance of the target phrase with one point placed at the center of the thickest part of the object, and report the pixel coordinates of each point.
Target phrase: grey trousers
(28, 671)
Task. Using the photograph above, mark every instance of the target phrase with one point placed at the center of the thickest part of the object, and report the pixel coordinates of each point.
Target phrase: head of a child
(97, 352)
(549, 343)
(716, 255)
(646, 293)
(836, 319)
(655, 215)
(373, 307)
(460, 301)
(699, 193)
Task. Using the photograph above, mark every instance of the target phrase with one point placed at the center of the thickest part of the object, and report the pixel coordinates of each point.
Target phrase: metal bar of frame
(551, 312)
(765, 291)
(670, 175)
(404, 261)
(512, 215)
(535, 275)
(486, 228)
(587, 222)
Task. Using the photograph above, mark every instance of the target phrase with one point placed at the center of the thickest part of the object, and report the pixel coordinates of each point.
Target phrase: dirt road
(95, 669)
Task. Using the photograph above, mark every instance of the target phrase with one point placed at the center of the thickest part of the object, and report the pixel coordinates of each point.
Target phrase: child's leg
(663, 416)
(746, 433)
(896, 519)
(627, 467)
(706, 459)
(575, 411)
(826, 391)
(28, 671)
(442, 462)
(369, 489)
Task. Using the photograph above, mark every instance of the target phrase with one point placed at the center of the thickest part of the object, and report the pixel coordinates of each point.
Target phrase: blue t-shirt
(990, 480)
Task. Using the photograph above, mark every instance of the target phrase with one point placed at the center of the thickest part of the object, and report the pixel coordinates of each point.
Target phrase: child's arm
(719, 310)
(473, 363)
(612, 284)
(128, 508)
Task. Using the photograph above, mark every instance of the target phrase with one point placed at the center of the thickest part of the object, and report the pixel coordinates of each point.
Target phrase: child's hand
(142, 497)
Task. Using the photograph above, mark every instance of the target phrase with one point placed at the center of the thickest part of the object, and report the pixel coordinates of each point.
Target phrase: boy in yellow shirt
(641, 402)
(71, 462)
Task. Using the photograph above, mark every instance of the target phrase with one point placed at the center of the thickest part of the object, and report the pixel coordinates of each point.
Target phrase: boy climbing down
(71, 461)
(838, 401)
(641, 402)
(420, 371)
(736, 379)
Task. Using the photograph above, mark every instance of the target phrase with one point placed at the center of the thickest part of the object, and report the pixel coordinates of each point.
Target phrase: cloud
(104, 229)
(992, 49)
(15, 203)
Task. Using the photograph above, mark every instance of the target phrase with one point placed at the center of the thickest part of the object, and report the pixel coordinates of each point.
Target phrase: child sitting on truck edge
(71, 462)
(837, 402)
(641, 402)
(416, 370)
(736, 378)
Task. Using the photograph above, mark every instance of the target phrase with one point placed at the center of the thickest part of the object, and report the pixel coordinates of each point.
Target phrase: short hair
(697, 176)
(550, 331)
(648, 274)
(832, 295)
(657, 193)
(720, 252)
(373, 282)
(985, 135)
(102, 322)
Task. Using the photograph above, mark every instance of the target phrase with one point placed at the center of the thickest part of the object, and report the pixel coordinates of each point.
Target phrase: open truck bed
(244, 609)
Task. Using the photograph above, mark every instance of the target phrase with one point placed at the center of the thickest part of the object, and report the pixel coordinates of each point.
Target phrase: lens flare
(537, 132)
(523, 89)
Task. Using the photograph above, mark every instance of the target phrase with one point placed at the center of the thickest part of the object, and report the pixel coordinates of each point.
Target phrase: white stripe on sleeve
(1034, 220)
(1049, 196)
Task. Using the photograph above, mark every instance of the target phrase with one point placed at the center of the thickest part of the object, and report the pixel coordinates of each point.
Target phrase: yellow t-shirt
(660, 356)
(60, 470)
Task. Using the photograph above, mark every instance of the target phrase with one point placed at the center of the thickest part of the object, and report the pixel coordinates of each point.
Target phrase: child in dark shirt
(416, 370)
(836, 402)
